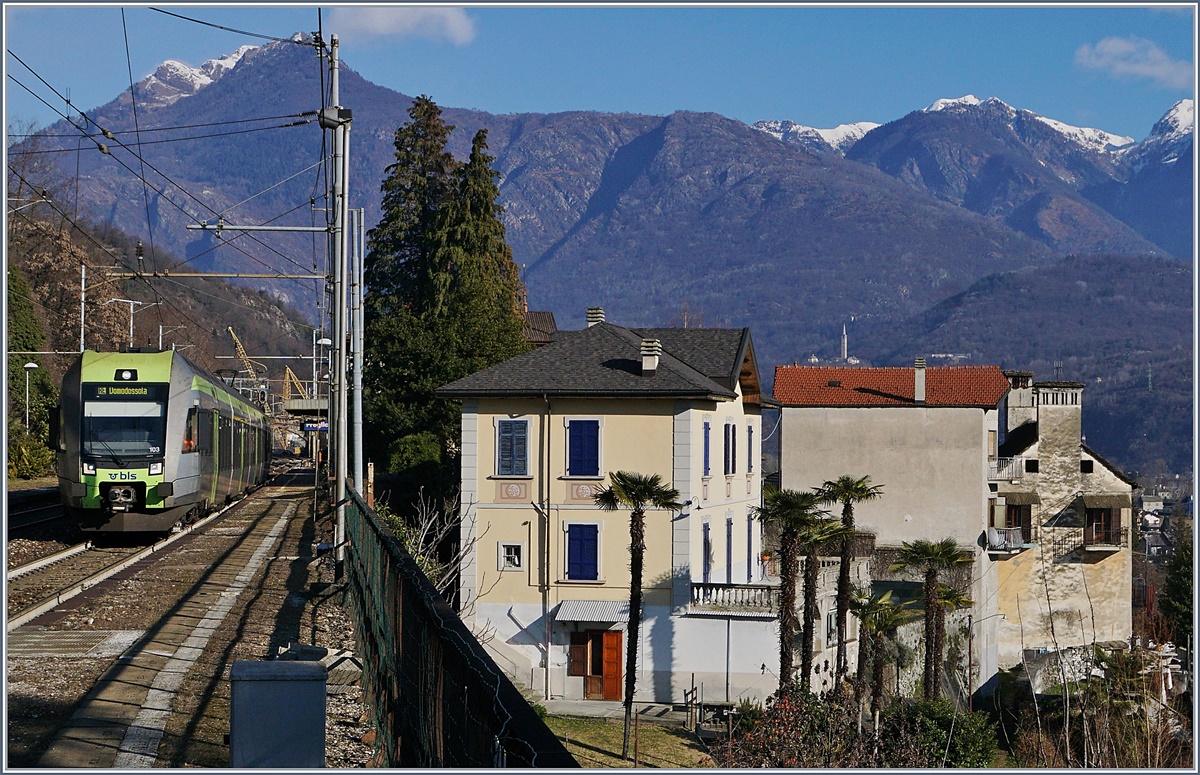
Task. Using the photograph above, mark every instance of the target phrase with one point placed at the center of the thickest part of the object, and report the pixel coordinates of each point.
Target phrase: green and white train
(149, 440)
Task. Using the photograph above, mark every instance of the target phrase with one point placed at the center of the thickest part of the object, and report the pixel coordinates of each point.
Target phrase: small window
(511, 556)
(191, 432)
(831, 627)
(749, 449)
(1031, 466)
(583, 448)
(1085, 466)
(707, 448)
(512, 448)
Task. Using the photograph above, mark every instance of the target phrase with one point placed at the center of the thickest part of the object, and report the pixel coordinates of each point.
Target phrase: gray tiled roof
(606, 360)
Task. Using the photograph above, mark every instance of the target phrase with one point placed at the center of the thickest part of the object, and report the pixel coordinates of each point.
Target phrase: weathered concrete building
(1062, 525)
(929, 436)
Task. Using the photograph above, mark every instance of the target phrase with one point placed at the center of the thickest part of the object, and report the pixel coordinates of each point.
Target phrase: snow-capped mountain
(835, 140)
(173, 79)
(1169, 139)
(1092, 139)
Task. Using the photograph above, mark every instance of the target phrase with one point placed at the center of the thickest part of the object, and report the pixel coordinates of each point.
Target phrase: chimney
(919, 380)
(595, 315)
(651, 349)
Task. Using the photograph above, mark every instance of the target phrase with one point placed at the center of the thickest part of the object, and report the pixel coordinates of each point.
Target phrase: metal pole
(82, 300)
(356, 338)
(970, 661)
(27, 370)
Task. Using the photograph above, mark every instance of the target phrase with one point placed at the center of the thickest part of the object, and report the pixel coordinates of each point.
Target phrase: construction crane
(252, 367)
(290, 381)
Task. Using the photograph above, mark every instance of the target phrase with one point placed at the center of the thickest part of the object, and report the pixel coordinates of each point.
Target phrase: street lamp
(131, 302)
(28, 368)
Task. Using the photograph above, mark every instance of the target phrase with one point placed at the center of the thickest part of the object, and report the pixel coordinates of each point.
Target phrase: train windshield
(123, 429)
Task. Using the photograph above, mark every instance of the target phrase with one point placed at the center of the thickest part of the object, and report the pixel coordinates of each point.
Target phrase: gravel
(293, 599)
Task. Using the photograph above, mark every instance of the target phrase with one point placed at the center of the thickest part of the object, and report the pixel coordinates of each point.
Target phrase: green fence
(437, 698)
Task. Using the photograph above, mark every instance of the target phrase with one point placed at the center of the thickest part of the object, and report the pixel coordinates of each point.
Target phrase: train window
(191, 431)
(118, 429)
(204, 431)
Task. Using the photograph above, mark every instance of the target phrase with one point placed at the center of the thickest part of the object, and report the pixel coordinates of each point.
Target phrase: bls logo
(123, 476)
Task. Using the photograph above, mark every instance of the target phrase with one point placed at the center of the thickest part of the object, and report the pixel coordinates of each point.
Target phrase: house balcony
(1007, 540)
(1094, 539)
(1007, 469)
(740, 599)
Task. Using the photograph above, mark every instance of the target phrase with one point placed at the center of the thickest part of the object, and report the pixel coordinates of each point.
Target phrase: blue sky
(1116, 69)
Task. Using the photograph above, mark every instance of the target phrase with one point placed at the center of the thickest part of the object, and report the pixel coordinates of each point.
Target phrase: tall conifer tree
(443, 297)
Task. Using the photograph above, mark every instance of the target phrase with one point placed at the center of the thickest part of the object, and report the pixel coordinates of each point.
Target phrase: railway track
(40, 586)
(31, 517)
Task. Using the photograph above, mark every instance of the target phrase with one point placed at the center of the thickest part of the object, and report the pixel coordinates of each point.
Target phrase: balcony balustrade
(1007, 469)
(746, 598)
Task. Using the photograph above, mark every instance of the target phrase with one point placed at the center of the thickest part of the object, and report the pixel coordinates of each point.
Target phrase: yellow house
(545, 582)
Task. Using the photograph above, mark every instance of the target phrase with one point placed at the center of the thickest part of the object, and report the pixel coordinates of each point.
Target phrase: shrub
(28, 458)
(930, 724)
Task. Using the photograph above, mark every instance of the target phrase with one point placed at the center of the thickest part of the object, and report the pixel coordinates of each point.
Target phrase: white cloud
(1138, 58)
(360, 23)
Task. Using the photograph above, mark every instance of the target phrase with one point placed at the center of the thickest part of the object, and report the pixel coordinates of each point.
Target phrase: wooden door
(612, 664)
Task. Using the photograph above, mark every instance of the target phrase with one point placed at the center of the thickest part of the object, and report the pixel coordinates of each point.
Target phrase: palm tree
(948, 599)
(879, 617)
(790, 511)
(932, 558)
(848, 491)
(635, 492)
(815, 534)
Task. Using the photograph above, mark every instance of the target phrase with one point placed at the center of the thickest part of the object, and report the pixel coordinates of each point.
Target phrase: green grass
(597, 743)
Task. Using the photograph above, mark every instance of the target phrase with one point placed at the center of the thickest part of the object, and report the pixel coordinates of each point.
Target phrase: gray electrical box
(277, 714)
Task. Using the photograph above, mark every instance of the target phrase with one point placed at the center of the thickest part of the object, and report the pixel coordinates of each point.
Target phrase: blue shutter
(733, 449)
(520, 448)
(749, 449)
(706, 548)
(505, 448)
(512, 448)
(729, 550)
(707, 449)
(582, 552)
(584, 448)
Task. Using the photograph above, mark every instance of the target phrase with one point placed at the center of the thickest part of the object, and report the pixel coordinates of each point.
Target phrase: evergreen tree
(443, 299)
(1177, 592)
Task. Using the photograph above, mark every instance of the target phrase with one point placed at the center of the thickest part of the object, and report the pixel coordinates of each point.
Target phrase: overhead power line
(231, 29)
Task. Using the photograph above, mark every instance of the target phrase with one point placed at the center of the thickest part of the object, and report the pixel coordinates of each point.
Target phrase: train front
(114, 437)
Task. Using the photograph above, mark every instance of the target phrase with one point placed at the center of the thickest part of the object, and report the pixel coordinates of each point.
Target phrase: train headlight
(88, 468)
(155, 468)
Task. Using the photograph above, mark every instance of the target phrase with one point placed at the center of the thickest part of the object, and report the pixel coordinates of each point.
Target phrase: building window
(707, 448)
(1031, 466)
(512, 448)
(991, 451)
(583, 552)
(1103, 527)
(706, 547)
(749, 548)
(583, 448)
(730, 449)
(749, 449)
(511, 556)
(1085, 466)
(1022, 517)
(831, 627)
(729, 549)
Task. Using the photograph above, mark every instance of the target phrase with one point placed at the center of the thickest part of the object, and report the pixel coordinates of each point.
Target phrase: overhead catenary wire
(232, 29)
(147, 130)
(175, 139)
(107, 151)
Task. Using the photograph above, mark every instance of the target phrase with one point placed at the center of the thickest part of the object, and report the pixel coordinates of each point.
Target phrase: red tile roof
(981, 386)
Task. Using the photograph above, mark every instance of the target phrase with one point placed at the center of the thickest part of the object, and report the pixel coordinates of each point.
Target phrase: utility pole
(131, 302)
(169, 330)
(338, 119)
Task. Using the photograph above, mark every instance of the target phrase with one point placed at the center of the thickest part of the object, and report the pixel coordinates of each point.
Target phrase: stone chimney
(595, 315)
(919, 380)
(651, 349)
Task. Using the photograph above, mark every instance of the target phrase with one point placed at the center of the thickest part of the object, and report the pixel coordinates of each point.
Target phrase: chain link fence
(437, 698)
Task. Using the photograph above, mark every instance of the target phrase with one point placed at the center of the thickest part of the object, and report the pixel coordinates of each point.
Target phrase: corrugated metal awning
(592, 611)
(1122, 501)
(1021, 498)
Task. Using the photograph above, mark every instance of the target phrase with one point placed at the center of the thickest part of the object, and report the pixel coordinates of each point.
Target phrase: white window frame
(566, 536)
(496, 445)
(566, 453)
(502, 554)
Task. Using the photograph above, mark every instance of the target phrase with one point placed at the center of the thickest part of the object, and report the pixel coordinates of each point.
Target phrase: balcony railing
(1007, 539)
(1098, 537)
(756, 598)
(1006, 469)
